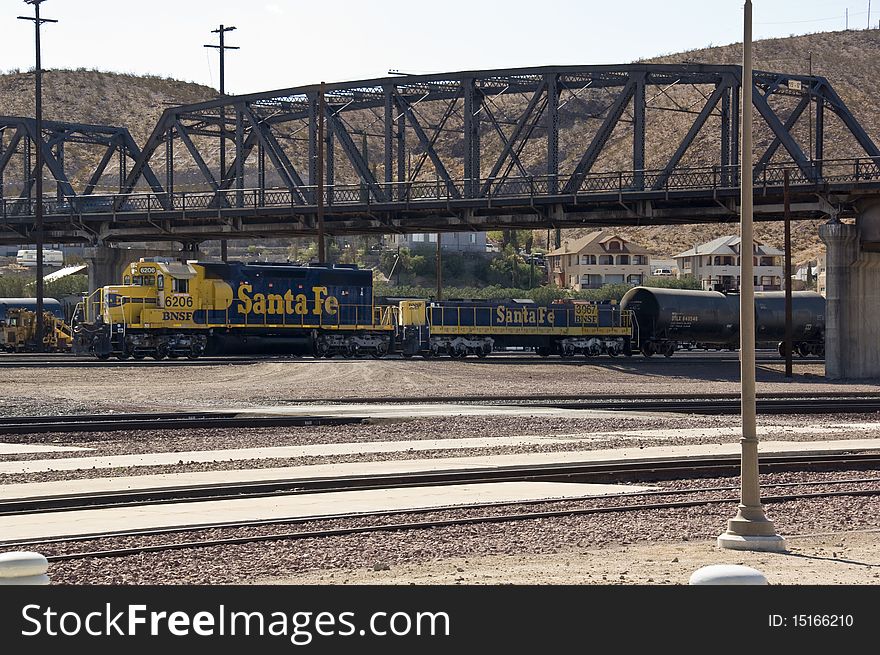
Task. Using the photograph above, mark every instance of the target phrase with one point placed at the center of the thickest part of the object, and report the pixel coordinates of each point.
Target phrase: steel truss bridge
(521, 148)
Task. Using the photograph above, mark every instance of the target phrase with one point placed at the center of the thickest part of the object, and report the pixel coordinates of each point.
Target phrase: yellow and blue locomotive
(460, 328)
(167, 308)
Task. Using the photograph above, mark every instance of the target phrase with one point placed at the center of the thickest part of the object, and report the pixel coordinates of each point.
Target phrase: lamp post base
(774, 544)
(751, 530)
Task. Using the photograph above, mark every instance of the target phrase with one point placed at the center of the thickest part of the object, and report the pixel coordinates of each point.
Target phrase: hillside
(98, 98)
(847, 58)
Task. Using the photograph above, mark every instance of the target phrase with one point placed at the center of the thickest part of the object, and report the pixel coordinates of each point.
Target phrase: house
(599, 258)
(716, 265)
(452, 241)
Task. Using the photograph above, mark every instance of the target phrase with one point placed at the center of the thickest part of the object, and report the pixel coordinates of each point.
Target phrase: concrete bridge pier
(852, 297)
(107, 263)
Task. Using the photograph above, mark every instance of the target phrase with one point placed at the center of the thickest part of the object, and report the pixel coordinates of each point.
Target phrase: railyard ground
(149, 387)
(658, 555)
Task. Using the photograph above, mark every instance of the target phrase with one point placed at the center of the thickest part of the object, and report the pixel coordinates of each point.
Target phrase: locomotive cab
(117, 319)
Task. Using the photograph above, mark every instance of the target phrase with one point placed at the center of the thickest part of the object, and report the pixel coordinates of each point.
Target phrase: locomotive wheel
(407, 355)
(138, 355)
(803, 350)
(669, 350)
(122, 356)
(104, 357)
(647, 349)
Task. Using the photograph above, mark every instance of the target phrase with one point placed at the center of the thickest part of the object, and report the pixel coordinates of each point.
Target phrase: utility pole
(38, 210)
(223, 48)
(788, 320)
(439, 268)
(810, 112)
(749, 529)
(322, 255)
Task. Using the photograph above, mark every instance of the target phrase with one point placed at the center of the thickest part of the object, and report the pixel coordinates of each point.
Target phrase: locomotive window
(137, 280)
(160, 282)
(149, 280)
(180, 286)
(126, 279)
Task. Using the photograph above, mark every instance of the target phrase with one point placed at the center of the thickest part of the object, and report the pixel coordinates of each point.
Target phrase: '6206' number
(179, 301)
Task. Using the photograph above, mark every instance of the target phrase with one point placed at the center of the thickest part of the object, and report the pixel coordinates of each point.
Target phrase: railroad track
(390, 521)
(160, 421)
(717, 404)
(70, 361)
(589, 472)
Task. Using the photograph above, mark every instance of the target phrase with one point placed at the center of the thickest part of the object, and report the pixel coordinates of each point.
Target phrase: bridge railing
(816, 172)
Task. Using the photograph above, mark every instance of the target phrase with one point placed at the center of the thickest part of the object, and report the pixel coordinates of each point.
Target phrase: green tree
(684, 282)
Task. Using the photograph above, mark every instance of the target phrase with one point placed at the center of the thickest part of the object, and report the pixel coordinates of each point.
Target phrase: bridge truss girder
(475, 145)
(405, 119)
(19, 140)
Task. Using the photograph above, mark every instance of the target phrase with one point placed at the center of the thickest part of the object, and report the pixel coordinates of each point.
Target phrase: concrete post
(727, 574)
(841, 252)
(23, 568)
(107, 263)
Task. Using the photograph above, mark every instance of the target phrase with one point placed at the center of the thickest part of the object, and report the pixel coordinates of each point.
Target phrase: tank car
(477, 327)
(666, 319)
(174, 309)
(807, 321)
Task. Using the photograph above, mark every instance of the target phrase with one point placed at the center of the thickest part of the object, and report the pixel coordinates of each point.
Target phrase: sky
(289, 43)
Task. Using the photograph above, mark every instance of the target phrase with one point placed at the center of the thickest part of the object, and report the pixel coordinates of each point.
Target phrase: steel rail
(435, 523)
(187, 420)
(599, 472)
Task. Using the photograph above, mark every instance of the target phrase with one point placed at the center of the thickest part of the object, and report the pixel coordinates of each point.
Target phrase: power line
(846, 15)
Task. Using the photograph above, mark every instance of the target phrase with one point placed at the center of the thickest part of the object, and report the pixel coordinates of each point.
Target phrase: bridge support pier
(852, 297)
(107, 263)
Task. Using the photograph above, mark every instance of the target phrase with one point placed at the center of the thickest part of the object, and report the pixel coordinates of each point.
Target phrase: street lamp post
(749, 529)
(38, 210)
(223, 48)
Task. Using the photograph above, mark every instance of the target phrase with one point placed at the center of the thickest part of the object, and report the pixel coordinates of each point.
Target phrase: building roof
(727, 246)
(595, 243)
